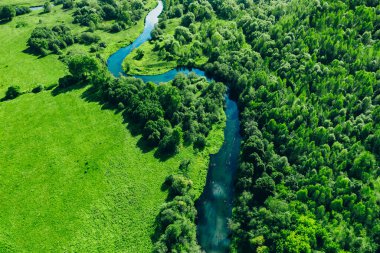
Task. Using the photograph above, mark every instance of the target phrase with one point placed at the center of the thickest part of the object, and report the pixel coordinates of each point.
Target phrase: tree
(264, 187)
(47, 7)
(183, 35)
(170, 143)
(139, 54)
(7, 12)
(188, 19)
(83, 67)
(13, 92)
(363, 164)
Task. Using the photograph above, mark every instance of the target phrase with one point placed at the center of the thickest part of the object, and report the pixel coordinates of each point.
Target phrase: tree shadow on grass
(4, 21)
(61, 90)
(163, 157)
(29, 51)
(144, 146)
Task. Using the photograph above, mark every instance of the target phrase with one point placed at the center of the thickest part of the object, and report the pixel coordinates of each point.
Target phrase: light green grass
(150, 64)
(73, 179)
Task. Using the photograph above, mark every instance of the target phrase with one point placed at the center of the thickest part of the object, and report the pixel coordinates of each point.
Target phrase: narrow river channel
(215, 204)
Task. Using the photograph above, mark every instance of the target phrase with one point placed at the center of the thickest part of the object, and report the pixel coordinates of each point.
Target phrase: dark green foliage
(176, 221)
(7, 12)
(156, 33)
(68, 4)
(43, 39)
(12, 92)
(86, 15)
(169, 113)
(188, 19)
(139, 54)
(83, 67)
(47, 7)
(38, 88)
(123, 13)
(21, 10)
(170, 143)
(183, 35)
(88, 38)
(309, 93)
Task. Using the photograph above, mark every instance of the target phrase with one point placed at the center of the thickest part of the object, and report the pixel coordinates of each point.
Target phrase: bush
(21, 10)
(200, 142)
(47, 7)
(115, 28)
(88, 38)
(44, 39)
(7, 13)
(13, 92)
(170, 143)
(67, 81)
(38, 88)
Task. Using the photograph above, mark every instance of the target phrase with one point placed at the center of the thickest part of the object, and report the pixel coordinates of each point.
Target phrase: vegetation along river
(215, 204)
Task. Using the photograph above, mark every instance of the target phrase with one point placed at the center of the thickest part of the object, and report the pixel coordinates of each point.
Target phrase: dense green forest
(306, 75)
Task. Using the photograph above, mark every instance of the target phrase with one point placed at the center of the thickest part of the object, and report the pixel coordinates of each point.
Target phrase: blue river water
(215, 204)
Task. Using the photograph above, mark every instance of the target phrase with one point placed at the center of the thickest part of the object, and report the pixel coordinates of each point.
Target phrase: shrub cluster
(45, 40)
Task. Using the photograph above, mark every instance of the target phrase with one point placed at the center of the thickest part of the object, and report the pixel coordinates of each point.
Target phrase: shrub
(21, 10)
(13, 92)
(115, 28)
(38, 88)
(67, 81)
(88, 38)
(7, 13)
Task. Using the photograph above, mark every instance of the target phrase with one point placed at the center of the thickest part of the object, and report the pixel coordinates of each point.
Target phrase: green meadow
(72, 176)
(17, 67)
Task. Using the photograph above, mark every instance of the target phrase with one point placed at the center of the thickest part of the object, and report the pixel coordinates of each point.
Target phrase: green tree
(83, 67)
(13, 92)
(7, 12)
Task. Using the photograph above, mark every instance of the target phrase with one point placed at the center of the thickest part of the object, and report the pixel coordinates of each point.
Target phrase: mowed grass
(17, 67)
(73, 178)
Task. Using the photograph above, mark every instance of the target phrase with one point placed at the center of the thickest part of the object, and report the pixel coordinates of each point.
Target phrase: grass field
(72, 177)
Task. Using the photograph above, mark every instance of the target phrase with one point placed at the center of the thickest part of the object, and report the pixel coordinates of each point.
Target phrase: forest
(306, 77)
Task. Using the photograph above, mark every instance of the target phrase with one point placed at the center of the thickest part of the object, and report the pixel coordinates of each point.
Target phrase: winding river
(215, 204)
